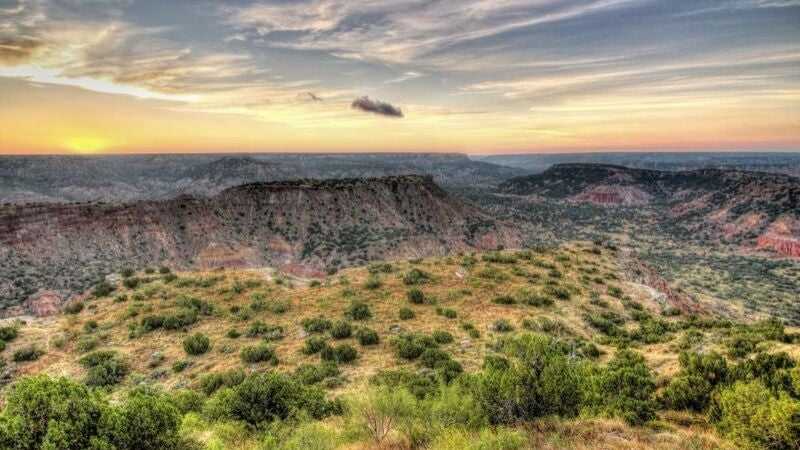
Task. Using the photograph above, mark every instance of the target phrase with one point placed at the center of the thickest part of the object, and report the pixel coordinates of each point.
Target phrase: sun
(87, 144)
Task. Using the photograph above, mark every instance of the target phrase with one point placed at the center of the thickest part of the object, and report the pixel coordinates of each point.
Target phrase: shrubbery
(56, 413)
(265, 397)
(104, 368)
(262, 352)
(367, 336)
(358, 310)
(196, 344)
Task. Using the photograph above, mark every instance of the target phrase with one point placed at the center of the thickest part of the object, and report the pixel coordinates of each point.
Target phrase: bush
(416, 276)
(415, 296)
(262, 352)
(542, 380)
(624, 388)
(442, 337)
(341, 330)
(421, 385)
(316, 373)
(105, 368)
(410, 346)
(406, 314)
(373, 283)
(265, 397)
(367, 336)
(502, 326)
(693, 386)
(8, 333)
(214, 381)
(358, 311)
(314, 344)
(447, 312)
(73, 307)
(29, 353)
(343, 353)
(557, 292)
(504, 300)
(196, 344)
(50, 413)
(102, 289)
(316, 325)
(433, 357)
(751, 415)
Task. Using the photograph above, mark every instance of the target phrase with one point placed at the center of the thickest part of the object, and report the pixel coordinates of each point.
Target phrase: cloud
(399, 31)
(376, 106)
(17, 49)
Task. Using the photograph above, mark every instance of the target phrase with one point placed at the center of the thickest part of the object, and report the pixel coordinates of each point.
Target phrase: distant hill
(753, 208)
(148, 177)
(775, 162)
(304, 227)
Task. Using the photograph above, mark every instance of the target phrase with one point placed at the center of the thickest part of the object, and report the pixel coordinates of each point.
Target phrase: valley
(587, 306)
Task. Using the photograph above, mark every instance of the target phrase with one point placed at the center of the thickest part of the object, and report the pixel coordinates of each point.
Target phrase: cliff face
(301, 226)
(756, 209)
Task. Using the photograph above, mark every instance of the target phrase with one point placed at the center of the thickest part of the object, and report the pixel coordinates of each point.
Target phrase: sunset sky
(476, 76)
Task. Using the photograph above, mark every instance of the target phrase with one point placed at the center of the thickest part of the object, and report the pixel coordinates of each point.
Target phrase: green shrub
(624, 388)
(377, 268)
(28, 353)
(314, 344)
(316, 373)
(145, 421)
(233, 333)
(131, 283)
(262, 352)
(406, 314)
(433, 357)
(557, 292)
(102, 289)
(358, 310)
(341, 330)
(73, 307)
(502, 326)
(416, 276)
(410, 346)
(367, 336)
(196, 344)
(542, 380)
(8, 333)
(268, 332)
(447, 312)
(214, 381)
(415, 296)
(104, 368)
(86, 344)
(421, 385)
(504, 300)
(265, 397)
(693, 386)
(343, 353)
(373, 283)
(181, 365)
(751, 415)
(442, 337)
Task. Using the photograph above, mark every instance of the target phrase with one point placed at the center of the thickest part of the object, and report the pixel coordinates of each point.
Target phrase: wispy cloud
(400, 31)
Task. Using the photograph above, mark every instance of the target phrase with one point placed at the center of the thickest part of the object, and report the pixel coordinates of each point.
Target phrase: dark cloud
(313, 97)
(16, 50)
(376, 106)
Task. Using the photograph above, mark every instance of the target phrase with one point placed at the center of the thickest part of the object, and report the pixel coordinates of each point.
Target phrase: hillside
(58, 179)
(754, 209)
(346, 335)
(49, 252)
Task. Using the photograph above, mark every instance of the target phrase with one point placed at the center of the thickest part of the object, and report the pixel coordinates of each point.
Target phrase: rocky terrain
(753, 209)
(51, 179)
(306, 227)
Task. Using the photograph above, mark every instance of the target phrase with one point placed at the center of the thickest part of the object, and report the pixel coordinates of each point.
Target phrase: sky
(473, 76)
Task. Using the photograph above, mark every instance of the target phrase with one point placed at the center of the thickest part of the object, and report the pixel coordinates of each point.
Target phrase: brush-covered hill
(49, 252)
(754, 209)
(549, 348)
